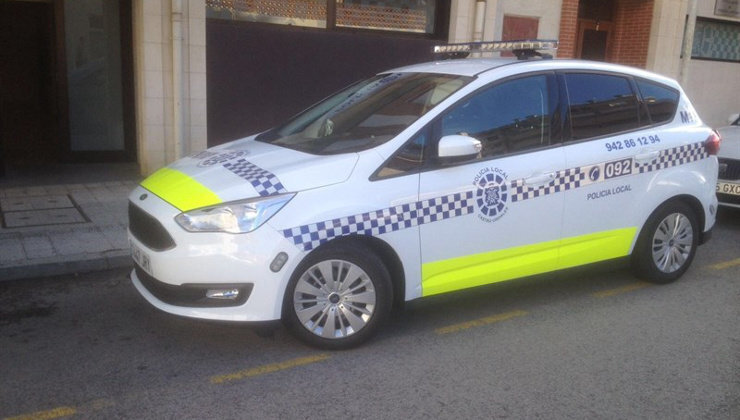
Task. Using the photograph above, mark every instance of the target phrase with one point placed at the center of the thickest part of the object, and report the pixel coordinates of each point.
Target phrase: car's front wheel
(667, 244)
(338, 296)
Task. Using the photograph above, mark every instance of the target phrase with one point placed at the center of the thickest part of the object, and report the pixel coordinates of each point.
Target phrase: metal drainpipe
(688, 43)
(480, 16)
(177, 79)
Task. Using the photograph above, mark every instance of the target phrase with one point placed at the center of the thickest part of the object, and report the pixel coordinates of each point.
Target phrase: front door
(500, 213)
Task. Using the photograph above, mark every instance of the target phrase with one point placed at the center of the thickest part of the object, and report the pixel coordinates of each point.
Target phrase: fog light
(279, 262)
(712, 209)
(222, 294)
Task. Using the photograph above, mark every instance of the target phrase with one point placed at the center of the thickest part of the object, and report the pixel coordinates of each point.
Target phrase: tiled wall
(153, 64)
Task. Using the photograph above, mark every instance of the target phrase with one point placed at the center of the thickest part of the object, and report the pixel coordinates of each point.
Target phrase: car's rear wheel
(667, 244)
(338, 297)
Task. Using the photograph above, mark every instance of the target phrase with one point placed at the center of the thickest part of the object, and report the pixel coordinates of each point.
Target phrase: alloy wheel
(672, 242)
(334, 299)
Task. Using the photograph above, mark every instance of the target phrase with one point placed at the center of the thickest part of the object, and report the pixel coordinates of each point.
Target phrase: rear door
(610, 139)
(497, 216)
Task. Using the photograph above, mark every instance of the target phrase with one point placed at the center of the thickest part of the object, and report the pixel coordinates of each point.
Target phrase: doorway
(28, 129)
(595, 29)
(66, 82)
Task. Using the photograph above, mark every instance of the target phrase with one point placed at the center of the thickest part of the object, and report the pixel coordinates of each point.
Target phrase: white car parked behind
(728, 184)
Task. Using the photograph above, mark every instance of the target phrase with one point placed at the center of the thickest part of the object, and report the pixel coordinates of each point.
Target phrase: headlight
(235, 217)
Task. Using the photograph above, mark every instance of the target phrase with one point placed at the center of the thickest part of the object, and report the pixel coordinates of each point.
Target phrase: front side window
(600, 105)
(408, 159)
(507, 118)
(366, 114)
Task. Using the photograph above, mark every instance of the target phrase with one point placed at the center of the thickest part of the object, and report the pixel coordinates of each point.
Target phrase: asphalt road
(579, 345)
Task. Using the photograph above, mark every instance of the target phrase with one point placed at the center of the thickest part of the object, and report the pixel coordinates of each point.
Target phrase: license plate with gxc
(141, 258)
(728, 188)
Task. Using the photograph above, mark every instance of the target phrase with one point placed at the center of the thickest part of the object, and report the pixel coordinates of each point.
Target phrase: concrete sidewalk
(62, 229)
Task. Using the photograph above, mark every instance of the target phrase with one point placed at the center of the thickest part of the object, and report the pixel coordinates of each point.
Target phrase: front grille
(191, 295)
(728, 198)
(732, 171)
(148, 230)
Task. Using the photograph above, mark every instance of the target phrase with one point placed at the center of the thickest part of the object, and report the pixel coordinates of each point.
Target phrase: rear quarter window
(661, 100)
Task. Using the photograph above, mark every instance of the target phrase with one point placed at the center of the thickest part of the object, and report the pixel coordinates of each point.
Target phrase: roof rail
(523, 49)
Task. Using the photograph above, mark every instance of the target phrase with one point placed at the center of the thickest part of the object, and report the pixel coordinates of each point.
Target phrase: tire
(667, 244)
(338, 297)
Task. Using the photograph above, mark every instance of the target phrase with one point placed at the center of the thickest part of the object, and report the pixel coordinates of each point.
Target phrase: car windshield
(366, 114)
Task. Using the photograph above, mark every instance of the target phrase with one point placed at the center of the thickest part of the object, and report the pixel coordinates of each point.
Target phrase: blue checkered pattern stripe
(674, 157)
(382, 221)
(565, 180)
(263, 181)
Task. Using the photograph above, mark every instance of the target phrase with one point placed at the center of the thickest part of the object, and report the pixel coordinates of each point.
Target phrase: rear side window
(661, 101)
(600, 104)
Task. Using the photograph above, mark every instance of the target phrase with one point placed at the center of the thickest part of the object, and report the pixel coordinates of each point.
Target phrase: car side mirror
(733, 118)
(457, 148)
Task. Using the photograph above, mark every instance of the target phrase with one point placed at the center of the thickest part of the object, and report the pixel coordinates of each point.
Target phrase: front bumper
(177, 278)
(202, 295)
(728, 192)
(728, 182)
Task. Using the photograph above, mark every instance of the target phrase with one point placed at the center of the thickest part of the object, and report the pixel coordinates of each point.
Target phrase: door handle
(647, 156)
(538, 180)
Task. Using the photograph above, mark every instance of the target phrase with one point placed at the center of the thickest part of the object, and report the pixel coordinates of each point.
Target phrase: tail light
(711, 145)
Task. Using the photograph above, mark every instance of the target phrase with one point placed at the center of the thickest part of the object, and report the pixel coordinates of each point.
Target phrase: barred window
(410, 16)
(310, 13)
(716, 40)
(398, 15)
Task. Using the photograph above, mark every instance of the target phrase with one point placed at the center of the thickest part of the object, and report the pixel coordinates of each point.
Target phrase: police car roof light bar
(523, 49)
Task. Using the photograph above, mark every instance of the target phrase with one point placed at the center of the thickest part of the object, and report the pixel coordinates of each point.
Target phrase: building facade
(154, 80)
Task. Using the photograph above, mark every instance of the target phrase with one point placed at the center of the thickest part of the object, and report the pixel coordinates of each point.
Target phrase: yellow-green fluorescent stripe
(595, 247)
(506, 264)
(180, 190)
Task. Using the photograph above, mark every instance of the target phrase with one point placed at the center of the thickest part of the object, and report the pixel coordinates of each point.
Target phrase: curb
(74, 265)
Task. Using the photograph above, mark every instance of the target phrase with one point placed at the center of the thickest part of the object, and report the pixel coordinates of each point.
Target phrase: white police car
(425, 180)
(728, 184)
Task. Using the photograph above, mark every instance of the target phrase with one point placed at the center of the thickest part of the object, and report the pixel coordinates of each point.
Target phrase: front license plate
(141, 258)
(728, 188)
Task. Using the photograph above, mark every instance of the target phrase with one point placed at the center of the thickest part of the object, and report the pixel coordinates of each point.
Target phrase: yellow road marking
(726, 264)
(261, 370)
(54, 413)
(620, 290)
(95, 405)
(479, 322)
